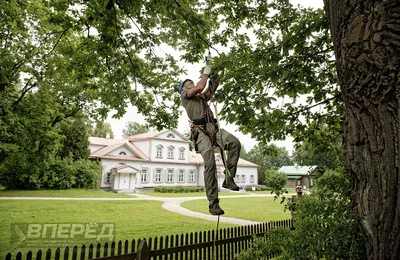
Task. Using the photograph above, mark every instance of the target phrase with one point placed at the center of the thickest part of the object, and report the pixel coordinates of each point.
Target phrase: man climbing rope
(204, 130)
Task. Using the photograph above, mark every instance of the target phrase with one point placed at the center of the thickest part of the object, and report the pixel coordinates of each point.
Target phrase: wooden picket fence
(224, 244)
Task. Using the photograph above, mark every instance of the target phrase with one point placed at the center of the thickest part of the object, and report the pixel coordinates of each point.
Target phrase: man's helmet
(181, 85)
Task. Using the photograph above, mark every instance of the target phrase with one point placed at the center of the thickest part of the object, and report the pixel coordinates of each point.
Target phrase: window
(182, 153)
(108, 178)
(159, 151)
(171, 152)
(251, 178)
(181, 175)
(170, 175)
(144, 178)
(122, 153)
(171, 136)
(243, 178)
(157, 176)
(237, 179)
(191, 176)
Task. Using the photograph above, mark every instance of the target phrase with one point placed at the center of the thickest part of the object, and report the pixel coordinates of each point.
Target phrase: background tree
(103, 130)
(187, 135)
(275, 179)
(267, 157)
(76, 133)
(317, 152)
(243, 152)
(134, 128)
(41, 145)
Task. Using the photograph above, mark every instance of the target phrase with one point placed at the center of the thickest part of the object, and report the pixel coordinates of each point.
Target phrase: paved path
(171, 204)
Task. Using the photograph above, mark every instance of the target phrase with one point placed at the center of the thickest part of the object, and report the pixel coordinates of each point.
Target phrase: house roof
(144, 135)
(156, 134)
(297, 170)
(104, 141)
(104, 152)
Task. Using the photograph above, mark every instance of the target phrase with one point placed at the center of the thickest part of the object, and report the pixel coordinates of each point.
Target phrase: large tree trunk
(366, 37)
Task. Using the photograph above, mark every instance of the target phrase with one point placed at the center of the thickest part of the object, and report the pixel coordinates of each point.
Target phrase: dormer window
(182, 153)
(159, 151)
(171, 136)
(171, 152)
(122, 153)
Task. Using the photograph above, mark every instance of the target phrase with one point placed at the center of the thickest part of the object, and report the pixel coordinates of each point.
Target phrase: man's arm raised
(201, 84)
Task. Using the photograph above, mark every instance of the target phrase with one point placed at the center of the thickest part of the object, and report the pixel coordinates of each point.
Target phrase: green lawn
(70, 193)
(262, 209)
(188, 194)
(133, 219)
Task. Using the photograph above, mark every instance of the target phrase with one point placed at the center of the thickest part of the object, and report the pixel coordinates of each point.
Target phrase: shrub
(325, 227)
(86, 173)
(59, 175)
(275, 179)
(56, 174)
(178, 189)
(258, 187)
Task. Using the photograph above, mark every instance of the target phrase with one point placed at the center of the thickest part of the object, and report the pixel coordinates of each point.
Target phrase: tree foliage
(318, 152)
(103, 130)
(279, 73)
(268, 157)
(275, 179)
(324, 226)
(41, 143)
(61, 60)
(134, 128)
(75, 142)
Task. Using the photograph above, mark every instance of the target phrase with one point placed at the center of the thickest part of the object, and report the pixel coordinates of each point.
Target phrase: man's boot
(214, 208)
(231, 184)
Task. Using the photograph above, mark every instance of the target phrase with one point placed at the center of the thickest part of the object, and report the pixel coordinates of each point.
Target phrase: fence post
(143, 252)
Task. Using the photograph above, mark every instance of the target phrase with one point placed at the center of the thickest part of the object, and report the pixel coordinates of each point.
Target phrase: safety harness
(201, 123)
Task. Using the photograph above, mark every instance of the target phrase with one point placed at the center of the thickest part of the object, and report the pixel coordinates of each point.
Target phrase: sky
(183, 124)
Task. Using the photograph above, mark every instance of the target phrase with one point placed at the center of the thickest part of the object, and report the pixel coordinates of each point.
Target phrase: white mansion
(157, 159)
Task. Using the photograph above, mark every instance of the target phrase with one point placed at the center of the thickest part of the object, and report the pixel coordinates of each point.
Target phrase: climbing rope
(213, 100)
(215, 240)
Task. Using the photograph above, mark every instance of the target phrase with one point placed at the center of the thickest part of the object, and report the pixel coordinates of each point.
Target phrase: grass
(259, 192)
(70, 193)
(263, 209)
(133, 219)
(188, 194)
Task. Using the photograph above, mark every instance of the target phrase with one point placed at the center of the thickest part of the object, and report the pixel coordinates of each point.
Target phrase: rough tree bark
(366, 37)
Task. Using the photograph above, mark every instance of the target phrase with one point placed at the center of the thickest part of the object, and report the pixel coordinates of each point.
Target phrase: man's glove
(207, 70)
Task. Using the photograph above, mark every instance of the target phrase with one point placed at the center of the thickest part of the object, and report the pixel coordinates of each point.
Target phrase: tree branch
(191, 27)
(311, 106)
(26, 89)
(55, 45)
